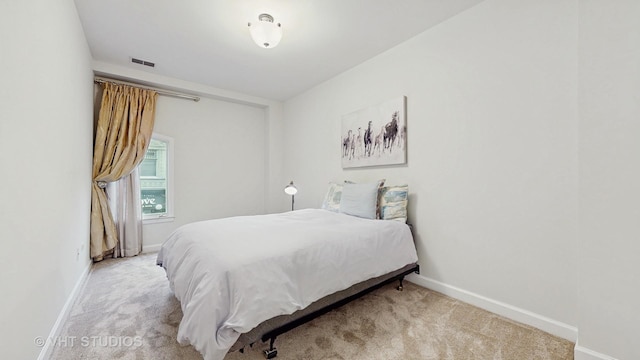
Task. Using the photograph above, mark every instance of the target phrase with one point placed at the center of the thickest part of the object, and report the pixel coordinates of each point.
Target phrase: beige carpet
(126, 311)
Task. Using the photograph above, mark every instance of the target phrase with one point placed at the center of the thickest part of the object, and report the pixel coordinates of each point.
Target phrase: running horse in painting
(346, 144)
(390, 132)
(367, 140)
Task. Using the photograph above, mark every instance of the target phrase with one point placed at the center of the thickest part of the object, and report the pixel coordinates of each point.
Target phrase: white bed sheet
(232, 274)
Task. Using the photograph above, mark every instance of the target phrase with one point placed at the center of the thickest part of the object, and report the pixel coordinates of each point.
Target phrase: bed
(249, 278)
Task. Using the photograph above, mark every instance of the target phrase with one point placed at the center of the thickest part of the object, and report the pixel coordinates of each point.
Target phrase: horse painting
(375, 135)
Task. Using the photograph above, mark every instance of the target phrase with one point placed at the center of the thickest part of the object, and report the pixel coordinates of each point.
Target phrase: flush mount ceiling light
(265, 32)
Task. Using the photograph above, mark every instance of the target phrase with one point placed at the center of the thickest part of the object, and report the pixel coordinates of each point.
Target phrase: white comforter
(232, 274)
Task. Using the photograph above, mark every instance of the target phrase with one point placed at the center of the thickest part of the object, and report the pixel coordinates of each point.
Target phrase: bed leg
(400, 287)
(272, 352)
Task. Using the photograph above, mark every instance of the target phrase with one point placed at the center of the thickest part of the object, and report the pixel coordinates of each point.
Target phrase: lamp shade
(265, 33)
(290, 189)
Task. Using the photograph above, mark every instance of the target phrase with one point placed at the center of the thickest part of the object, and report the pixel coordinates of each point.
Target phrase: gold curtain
(123, 132)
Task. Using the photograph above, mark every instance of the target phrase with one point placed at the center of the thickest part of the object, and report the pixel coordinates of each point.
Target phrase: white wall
(45, 167)
(219, 161)
(492, 150)
(609, 292)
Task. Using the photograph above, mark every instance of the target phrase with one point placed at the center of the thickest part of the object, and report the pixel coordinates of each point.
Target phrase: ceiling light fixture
(265, 32)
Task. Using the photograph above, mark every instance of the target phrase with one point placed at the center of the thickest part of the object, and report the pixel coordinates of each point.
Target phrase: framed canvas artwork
(376, 135)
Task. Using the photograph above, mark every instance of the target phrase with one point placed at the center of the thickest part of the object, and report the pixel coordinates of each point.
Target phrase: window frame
(169, 214)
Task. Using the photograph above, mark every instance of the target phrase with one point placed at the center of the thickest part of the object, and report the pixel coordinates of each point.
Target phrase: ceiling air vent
(142, 62)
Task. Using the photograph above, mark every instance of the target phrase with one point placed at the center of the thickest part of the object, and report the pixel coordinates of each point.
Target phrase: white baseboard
(520, 315)
(47, 349)
(151, 248)
(582, 353)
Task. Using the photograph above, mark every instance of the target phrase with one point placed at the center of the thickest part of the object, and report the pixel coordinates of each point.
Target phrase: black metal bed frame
(271, 335)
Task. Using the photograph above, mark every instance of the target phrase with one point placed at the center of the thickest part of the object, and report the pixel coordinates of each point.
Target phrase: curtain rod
(101, 80)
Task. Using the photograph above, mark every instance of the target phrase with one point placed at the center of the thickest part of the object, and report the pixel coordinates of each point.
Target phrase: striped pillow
(392, 201)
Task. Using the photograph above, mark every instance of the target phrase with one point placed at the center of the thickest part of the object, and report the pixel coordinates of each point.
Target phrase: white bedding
(232, 274)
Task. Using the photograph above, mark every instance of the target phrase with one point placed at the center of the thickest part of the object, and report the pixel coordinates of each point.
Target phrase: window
(149, 166)
(156, 174)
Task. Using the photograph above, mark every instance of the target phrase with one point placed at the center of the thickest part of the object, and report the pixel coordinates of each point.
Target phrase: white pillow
(360, 199)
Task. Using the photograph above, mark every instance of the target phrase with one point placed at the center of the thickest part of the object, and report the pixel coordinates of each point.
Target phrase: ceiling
(208, 41)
